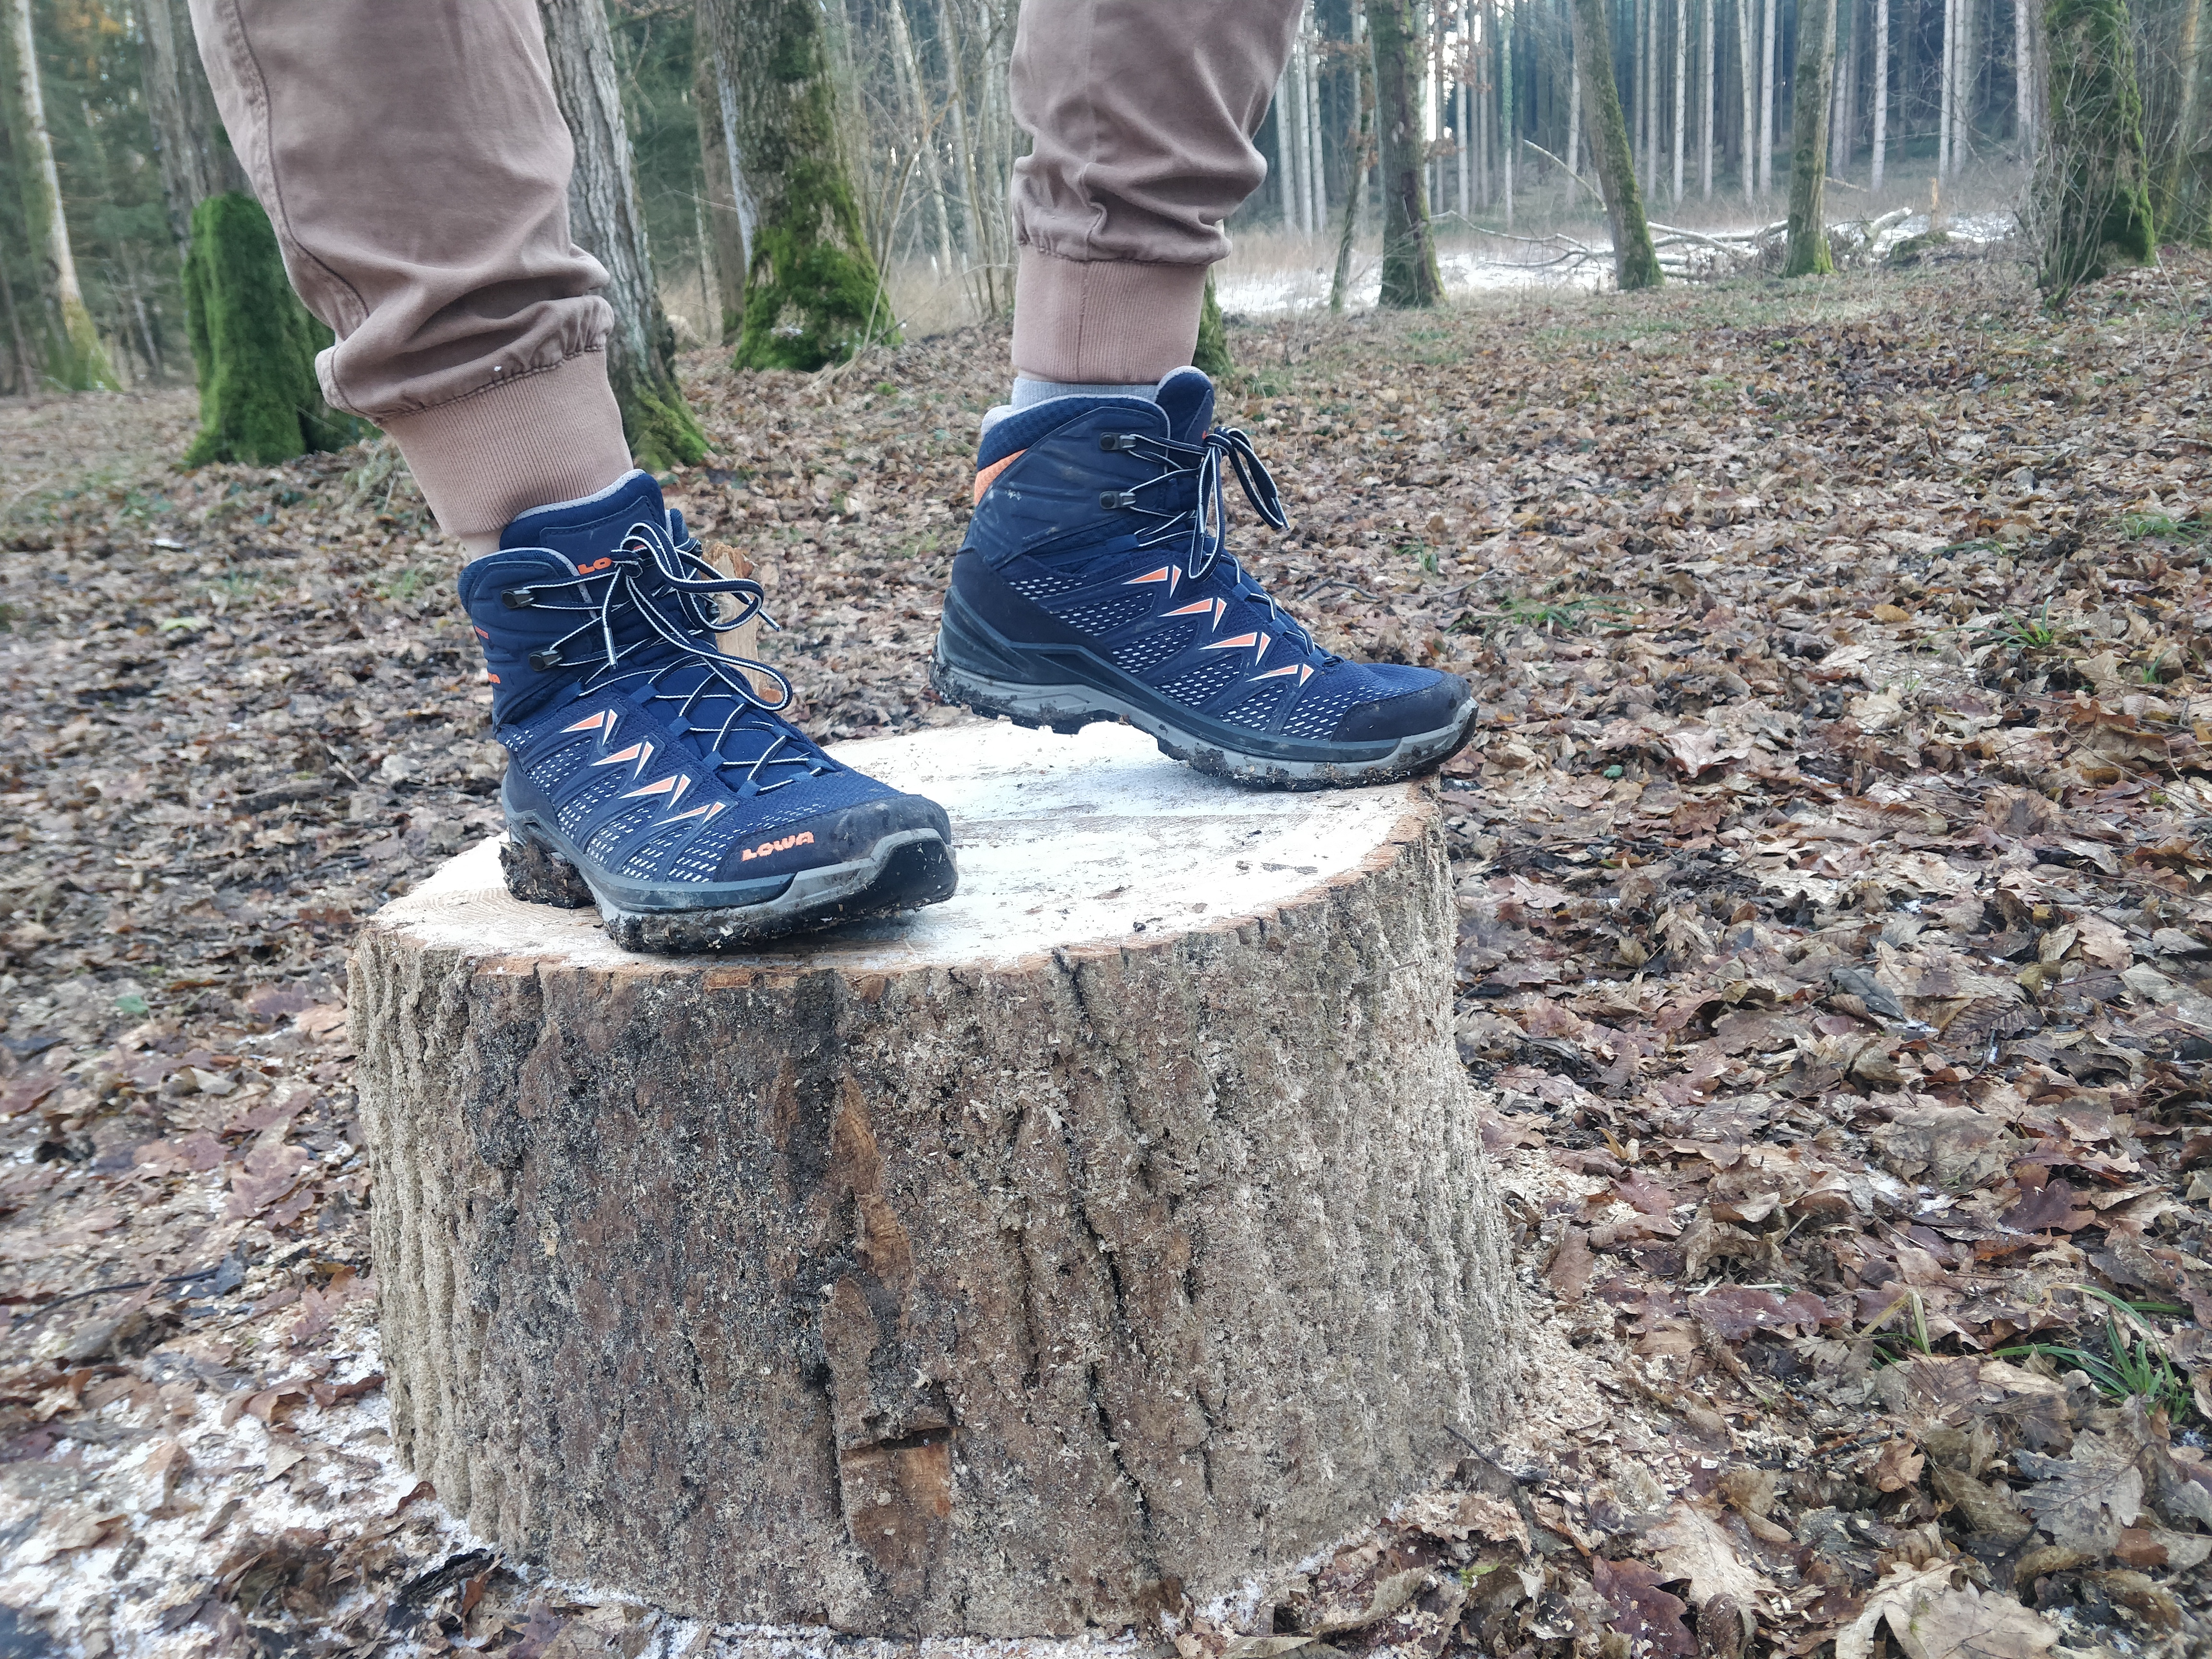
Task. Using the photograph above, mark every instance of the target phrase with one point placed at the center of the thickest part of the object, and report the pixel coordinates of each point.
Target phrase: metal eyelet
(518, 599)
(1116, 443)
(545, 660)
(1113, 499)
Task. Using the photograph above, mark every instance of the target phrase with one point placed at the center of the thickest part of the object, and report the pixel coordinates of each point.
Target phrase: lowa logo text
(804, 838)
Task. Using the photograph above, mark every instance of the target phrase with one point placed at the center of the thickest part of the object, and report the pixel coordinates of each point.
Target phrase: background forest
(1922, 89)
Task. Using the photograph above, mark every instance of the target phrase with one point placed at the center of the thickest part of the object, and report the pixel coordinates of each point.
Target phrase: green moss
(1635, 262)
(2093, 189)
(1807, 253)
(1213, 353)
(253, 345)
(660, 429)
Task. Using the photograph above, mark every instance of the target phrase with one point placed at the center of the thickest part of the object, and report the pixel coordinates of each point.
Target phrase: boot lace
(672, 590)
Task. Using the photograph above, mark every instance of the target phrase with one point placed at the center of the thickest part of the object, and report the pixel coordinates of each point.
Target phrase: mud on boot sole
(904, 871)
(538, 875)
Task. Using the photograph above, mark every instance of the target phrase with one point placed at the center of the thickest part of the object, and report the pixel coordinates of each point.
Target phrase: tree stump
(1117, 1230)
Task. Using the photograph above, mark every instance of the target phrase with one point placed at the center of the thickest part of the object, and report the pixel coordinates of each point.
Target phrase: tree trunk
(1410, 277)
(608, 221)
(1807, 254)
(922, 122)
(196, 160)
(1707, 99)
(1508, 142)
(2023, 77)
(1361, 153)
(989, 1279)
(812, 293)
(1211, 355)
(1946, 92)
(76, 359)
(726, 228)
(1316, 159)
(1881, 88)
(1574, 112)
(1465, 131)
(2092, 194)
(1766, 103)
(1634, 264)
(1747, 83)
(2181, 136)
(1681, 86)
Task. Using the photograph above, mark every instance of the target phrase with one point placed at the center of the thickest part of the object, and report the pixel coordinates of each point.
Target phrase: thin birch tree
(76, 359)
(1767, 101)
(1747, 83)
(1881, 88)
(1708, 97)
(1681, 86)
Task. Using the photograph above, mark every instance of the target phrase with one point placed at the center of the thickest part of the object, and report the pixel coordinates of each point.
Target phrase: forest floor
(1835, 963)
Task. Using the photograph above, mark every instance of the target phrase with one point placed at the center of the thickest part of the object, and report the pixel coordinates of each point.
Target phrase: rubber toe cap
(1443, 701)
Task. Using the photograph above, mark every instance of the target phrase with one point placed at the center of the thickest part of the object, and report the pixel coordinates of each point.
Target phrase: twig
(1564, 169)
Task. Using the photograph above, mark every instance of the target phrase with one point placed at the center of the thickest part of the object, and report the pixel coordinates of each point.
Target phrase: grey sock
(1028, 392)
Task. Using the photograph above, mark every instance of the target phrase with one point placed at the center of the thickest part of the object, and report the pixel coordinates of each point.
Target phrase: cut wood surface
(1117, 1231)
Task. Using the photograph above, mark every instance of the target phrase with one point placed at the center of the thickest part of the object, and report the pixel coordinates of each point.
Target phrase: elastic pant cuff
(1103, 320)
(484, 460)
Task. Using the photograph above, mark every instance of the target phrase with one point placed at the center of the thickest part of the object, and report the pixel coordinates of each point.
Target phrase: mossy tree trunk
(253, 343)
(2093, 188)
(1410, 277)
(2179, 201)
(1634, 263)
(1807, 254)
(608, 221)
(76, 359)
(812, 293)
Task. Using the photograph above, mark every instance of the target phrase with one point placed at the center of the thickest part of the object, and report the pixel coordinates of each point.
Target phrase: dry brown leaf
(1929, 1619)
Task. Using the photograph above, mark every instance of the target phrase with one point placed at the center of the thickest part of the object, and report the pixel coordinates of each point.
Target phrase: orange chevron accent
(1220, 609)
(989, 475)
(1198, 610)
(1305, 672)
(592, 725)
(1260, 655)
(709, 808)
(640, 752)
(1164, 574)
(1232, 644)
(1175, 580)
(672, 786)
(1277, 673)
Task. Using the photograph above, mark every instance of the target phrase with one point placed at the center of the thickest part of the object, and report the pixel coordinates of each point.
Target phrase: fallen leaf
(1929, 1619)
(2083, 1500)
(1641, 1610)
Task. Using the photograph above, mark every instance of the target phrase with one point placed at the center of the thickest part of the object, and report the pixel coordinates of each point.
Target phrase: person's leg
(1095, 583)
(415, 168)
(1141, 116)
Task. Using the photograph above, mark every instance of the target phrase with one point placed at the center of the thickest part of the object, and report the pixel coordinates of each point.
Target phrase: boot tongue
(1188, 397)
(582, 531)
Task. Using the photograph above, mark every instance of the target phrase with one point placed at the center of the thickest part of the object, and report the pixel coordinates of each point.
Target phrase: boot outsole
(904, 871)
(1068, 709)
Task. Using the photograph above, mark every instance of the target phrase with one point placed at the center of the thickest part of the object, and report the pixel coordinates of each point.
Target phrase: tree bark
(2179, 136)
(196, 160)
(1410, 277)
(1807, 253)
(923, 121)
(2093, 196)
(978, 1281)
(1681, 86)
(1946, 85)
(76, 359)
(1634, 264)
(2023, 77)
(812, 293)
(1574, 110)
(1881, 89)
(607, 221)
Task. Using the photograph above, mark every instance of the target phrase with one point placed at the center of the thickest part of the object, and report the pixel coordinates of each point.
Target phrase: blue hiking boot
(649, 777)
(1094, 586)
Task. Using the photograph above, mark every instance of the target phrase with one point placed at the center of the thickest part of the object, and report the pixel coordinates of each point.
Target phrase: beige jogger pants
(415, 168)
